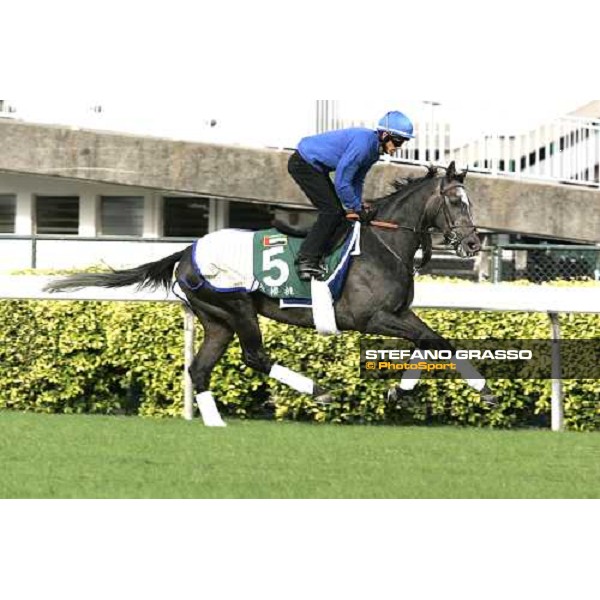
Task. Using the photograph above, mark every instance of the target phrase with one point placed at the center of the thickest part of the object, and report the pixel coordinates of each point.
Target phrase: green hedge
(122, 358)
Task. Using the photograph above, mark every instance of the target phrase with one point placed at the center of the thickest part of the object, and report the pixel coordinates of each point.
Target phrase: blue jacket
(350, 153)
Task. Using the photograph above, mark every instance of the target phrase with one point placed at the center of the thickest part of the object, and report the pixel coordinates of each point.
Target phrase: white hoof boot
(209, 411)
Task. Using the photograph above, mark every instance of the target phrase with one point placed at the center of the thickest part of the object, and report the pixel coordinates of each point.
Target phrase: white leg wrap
(298, 382)
(411, 378)
(476, 384)
(209, 411)
(470, 374)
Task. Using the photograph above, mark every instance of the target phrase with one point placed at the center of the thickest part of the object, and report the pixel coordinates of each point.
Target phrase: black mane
(406, 186)
(403, 189)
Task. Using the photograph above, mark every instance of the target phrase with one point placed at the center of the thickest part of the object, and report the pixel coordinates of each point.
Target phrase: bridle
(451, 235)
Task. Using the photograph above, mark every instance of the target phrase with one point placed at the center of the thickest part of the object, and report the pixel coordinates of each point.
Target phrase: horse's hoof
(401, 398)
(322, 396)
(324, 399)
(490, 400)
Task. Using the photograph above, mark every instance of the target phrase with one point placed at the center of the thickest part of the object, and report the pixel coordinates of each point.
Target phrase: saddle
(337, 239)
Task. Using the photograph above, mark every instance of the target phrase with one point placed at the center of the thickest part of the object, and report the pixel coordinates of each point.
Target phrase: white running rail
(565, 150)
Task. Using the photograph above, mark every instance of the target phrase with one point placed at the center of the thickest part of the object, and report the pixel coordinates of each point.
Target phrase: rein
(388, 225)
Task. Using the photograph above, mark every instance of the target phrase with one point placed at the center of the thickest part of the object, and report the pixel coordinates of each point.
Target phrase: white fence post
(189, 327)
(558, 421)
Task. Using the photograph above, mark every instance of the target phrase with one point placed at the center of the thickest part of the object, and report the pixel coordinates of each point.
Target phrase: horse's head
(449, 210)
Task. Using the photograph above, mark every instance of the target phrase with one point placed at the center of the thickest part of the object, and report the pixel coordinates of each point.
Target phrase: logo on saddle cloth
(275, 271)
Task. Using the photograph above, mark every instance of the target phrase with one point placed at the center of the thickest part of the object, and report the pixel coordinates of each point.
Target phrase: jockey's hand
(365, 215)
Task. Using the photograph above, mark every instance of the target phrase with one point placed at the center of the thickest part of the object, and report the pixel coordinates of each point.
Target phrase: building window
(185, 217)
(243, 215)
(122, 215)
(8, 211)
(57, 215)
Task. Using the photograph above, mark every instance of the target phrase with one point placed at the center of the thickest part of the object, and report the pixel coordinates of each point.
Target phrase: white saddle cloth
(225, 259)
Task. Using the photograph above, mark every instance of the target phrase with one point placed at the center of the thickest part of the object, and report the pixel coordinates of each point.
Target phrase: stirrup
(310, 273)
(307, 270)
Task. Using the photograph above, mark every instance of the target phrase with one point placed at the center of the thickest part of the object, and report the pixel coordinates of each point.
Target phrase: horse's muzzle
(469, 246)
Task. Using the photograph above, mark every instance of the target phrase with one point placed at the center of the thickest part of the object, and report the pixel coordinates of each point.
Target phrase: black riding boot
(310, 267)
(313, 248)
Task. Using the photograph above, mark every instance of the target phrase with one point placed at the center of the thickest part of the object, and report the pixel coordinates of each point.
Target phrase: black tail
(151, 276)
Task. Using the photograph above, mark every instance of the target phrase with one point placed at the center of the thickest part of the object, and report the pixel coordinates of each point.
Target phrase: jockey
(350, 153)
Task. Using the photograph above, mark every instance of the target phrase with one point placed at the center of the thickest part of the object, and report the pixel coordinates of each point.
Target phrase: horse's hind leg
(408, 326)
(217, 336)
(255, 356)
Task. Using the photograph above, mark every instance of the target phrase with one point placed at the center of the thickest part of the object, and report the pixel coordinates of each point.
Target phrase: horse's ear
(431, 171)
(451, 171)
(462, 176)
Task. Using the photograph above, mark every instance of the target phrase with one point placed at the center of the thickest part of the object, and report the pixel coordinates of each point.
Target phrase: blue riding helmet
(397, 123)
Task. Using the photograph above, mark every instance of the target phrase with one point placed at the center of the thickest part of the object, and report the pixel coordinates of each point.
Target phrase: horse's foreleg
(464, 367)
(408, 326)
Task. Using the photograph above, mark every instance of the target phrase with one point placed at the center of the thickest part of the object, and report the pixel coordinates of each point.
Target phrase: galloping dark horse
(376, 298)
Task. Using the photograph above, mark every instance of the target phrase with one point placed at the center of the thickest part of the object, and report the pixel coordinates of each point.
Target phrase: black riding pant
(321, 192)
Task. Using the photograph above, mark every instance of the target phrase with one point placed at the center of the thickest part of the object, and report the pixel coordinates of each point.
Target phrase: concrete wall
(548, 210)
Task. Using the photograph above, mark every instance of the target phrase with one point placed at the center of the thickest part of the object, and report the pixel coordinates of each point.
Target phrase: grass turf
(76, 456)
